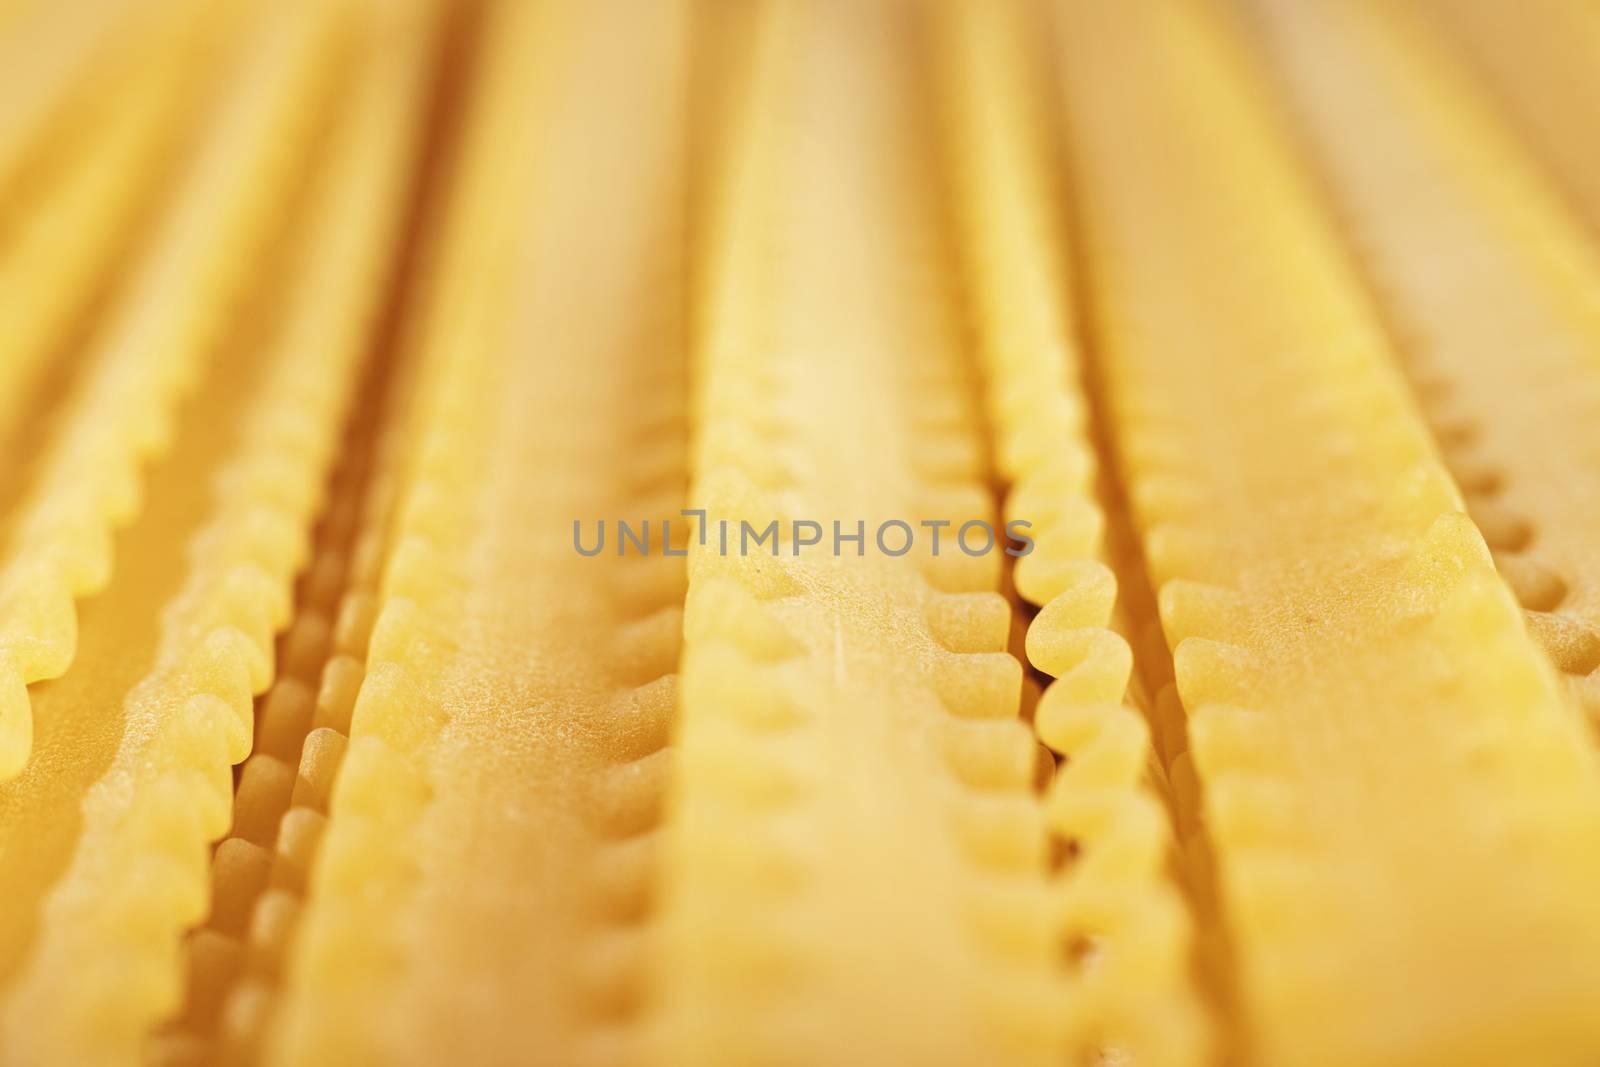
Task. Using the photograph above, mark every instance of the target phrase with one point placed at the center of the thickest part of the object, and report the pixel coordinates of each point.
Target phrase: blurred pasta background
(326, 324)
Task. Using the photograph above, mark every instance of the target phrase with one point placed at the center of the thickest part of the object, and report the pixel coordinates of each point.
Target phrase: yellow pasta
(157, 338)
(54, 60)
(1133, 987)
(104, 834)
(855, 861)
(505, 760)
(1400, 802)
(1541, 59)
(356, 207)
(59, 258)
(814, 532)
(1502, 343)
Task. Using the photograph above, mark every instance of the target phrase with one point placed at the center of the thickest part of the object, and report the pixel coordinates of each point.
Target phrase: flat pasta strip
(1401, 804)
(353, 233)
(1543, 59)
(507, 506)
(48, 74)
(855, 863)
(155, 343)
(61, 258)
(104, 836)
(505, 763)
(1125, 928)
(1502, 343)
